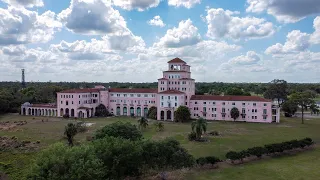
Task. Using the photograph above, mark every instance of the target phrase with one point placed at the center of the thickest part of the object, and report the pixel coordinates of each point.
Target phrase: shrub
(120, 157)
(257, 151)
(207, 160)
(214, 133)
(192, 136)
(165, 154)
(66, 116)
(159, 126)
(121, 130)
(232, 155)
(59, 162)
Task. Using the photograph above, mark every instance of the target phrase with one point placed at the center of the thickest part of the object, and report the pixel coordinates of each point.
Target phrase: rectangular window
(252, 117)
(204, 109)
(243, 110)
(124, 95)
(175, 104)
(162, 97)
(79, 102)
(161, 104)
(168, 97)
(223, 115)
(233, 103)
(71, 102)
(223, 103)
(255, 117)
(139, 95)
(255, 110)
(223, 110)
(264, 111)
(243, 116)
(204, 102)
(61, 102)
(176, 98)
(264, 117)
(254, 104)
(131, 95)
(213, 103)
(146, 95)
(243, 104)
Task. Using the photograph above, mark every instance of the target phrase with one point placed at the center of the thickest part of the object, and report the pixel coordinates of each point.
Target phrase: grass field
(234, 136)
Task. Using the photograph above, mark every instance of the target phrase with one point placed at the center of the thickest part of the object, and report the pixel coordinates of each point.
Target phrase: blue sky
(131, 40)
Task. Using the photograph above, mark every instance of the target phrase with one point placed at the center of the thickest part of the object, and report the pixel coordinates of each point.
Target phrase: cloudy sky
(132, 40)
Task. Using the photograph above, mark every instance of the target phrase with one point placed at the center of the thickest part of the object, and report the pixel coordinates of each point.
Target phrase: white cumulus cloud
(183, 35)
(287, 11)
(21, 26)
(185, 3)
(140, 5)
(225, 23)
(156, 21)
(25, 3)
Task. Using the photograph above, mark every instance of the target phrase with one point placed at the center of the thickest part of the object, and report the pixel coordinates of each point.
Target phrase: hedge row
(269, 149)
(207, 160)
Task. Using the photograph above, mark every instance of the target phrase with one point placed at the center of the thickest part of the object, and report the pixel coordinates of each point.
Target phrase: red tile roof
(44, 105)
(229, 98)
(186, 79)
(85, 90)
(176, 60)
(135, 90)
(172, 91)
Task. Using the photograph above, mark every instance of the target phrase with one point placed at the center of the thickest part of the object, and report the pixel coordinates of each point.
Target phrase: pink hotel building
(176, 88)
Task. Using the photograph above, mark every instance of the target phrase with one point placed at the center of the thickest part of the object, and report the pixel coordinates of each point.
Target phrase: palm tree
(70, 131)
(199, 127)
(143, 123)
(159, 126)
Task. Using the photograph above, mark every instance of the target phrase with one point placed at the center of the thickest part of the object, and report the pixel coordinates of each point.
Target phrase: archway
(42, 112)
(88, 115)
(29, 111)
(72, 112)
(145, 112)
(23, 111)
(32, 112)
(39, 112)
(80, 114)
(49, 112)
(61, 112)
(162, 115)
(138, 111)
(131, 111)
(169, 115)
(67, 111)
(124, 111)
(118, 111)
(46, 112)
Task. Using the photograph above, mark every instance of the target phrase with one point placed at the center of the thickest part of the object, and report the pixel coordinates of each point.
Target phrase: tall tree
(234, 113)
(278, 89)
(304, 100)
(182, 114)
(289, 107)
(199, 126)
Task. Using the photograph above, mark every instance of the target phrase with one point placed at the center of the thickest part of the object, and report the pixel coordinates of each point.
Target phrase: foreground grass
(297, 167)
(234, 136)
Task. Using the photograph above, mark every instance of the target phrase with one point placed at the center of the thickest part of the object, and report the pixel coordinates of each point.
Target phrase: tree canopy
(182, 114)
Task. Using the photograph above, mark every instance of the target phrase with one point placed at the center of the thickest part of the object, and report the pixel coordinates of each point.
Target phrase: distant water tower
(23, 82)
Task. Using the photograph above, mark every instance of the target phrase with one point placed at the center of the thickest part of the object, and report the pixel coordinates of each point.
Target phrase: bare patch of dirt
(9, 144)
(8, 126)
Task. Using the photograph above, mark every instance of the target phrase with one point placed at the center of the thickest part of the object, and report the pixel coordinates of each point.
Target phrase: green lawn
(234, 136)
